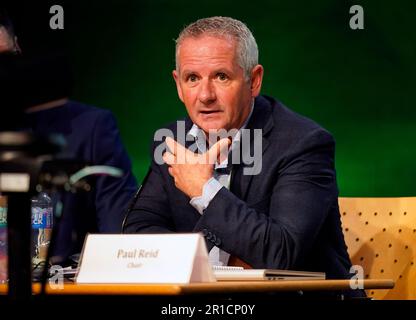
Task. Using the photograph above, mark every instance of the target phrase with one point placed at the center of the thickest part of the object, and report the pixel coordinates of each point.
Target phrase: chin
(212, 127)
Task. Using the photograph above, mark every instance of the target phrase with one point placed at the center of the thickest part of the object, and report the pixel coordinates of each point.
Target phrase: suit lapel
(188, 126)
(260, 119)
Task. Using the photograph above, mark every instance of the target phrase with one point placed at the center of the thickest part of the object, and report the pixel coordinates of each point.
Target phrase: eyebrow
(223, 70)
(186, 73)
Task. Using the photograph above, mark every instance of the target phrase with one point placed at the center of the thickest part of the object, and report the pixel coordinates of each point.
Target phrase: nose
(207, 92)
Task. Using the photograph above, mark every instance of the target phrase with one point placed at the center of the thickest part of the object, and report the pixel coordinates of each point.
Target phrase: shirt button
(214, 238)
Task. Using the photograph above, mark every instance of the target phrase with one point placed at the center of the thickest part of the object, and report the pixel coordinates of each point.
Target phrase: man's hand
(191, 171)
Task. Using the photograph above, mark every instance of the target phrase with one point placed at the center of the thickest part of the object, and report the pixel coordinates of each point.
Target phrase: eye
(192, 78)
(222, 76)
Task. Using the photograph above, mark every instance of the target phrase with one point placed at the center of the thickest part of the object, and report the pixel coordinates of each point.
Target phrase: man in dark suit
(91, 135)
(284, 213)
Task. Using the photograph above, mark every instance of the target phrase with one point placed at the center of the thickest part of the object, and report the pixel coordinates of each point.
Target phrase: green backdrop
(359, 84)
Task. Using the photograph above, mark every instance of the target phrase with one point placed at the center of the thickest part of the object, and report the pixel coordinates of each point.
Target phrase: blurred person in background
(36, 99)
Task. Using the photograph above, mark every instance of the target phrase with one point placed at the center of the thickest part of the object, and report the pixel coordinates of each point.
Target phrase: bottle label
(3, 216)
(41, 218)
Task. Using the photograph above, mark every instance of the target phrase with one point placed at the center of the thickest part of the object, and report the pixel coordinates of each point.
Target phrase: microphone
(134, 200)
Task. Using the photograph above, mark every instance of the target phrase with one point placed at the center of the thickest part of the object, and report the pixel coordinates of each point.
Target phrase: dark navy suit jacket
(286, 217)
(91, 135)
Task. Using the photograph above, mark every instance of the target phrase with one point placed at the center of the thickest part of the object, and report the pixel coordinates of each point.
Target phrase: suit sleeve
(111, 194)
(152, 214)
(304, 190)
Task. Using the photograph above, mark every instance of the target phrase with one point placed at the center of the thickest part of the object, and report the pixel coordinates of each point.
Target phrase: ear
(178, 85)
(256, 80)
(16, 44)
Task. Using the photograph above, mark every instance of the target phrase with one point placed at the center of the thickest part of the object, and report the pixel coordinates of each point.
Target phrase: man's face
(212, 85)
(6, 41)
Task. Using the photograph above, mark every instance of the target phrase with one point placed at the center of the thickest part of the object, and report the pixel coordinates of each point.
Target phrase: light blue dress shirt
(214, 184)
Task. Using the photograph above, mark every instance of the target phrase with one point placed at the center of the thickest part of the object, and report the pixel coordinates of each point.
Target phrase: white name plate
(145, 258)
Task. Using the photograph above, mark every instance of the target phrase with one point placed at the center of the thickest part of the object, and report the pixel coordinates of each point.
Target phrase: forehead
(5, 40)
(207, 49)
(3, 33)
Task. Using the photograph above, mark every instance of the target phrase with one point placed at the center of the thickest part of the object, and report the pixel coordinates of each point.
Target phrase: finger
(172, 174)
(170, 170)
(171, 144)
(178, 150)
(169, 158)
(219, 151)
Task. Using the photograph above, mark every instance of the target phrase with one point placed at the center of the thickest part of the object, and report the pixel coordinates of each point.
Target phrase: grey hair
(247, 51)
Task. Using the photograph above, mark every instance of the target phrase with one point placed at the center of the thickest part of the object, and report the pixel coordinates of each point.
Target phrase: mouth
(209, 112)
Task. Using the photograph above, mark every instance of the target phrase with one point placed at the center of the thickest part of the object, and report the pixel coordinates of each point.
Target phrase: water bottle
(3, 240)
(42, 223)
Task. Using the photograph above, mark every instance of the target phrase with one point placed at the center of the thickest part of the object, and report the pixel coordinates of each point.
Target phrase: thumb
(219, 151)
